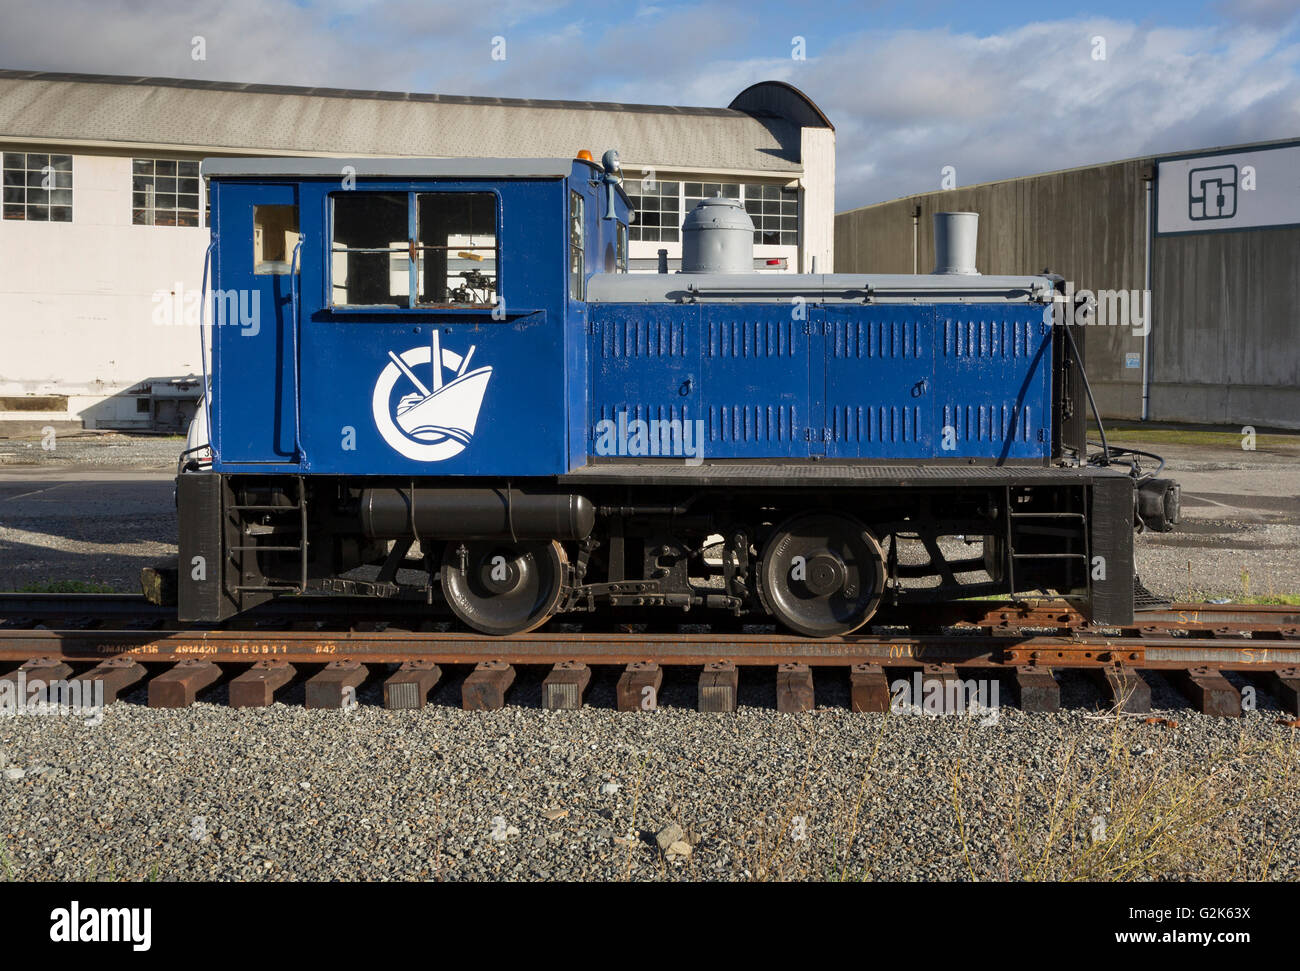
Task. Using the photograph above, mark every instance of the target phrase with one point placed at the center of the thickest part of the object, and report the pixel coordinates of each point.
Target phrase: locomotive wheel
(503, 588)
(821, 574)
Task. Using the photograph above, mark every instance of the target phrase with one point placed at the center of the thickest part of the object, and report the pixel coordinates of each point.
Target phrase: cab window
(275, 236)
(456, 243)
(369, 251)
(577, 242)
(416, 249)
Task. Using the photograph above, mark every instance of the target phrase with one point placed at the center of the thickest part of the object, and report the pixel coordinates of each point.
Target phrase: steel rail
(982, 649)
(101, 610)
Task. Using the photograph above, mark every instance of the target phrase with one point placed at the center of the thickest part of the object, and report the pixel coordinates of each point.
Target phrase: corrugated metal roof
(272, 118)
(405, 167)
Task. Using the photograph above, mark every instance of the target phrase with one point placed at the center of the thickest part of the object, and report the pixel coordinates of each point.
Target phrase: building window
(697, 192)
(775, 211)
(455, 247)
(38, 187)
(661, 208)
(164, 192)
(577, 246)
(658, 210)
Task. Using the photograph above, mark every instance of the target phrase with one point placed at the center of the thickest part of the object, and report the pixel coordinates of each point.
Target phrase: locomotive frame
(838, 482)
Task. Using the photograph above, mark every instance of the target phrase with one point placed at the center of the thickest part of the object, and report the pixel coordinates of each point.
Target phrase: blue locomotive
(436, 378)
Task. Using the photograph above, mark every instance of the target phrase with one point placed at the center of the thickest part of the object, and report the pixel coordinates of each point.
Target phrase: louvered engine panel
(995, 397)
(879, 373)
(860, 381)
(645, 363)
(756, 381)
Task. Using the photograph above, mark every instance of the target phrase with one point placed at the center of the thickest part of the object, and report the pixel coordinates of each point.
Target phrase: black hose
(1105, 449)
(1118, 450)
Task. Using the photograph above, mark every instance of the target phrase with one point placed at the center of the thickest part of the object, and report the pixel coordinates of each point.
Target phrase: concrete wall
(1226, 344)
(1086, 224)
(76, 302)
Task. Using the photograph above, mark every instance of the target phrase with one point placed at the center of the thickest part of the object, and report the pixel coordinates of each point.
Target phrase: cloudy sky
(992, 89)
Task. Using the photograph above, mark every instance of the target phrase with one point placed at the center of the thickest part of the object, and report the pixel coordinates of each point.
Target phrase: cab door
(251, 318)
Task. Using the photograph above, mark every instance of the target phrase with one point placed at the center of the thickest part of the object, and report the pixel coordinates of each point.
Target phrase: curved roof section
(777, 99)
(278, 119)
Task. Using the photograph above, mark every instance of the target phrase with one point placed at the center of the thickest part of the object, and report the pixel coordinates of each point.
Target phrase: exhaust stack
(955, 235)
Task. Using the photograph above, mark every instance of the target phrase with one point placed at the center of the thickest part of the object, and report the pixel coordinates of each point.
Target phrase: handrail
(299, 453)
(203, 344)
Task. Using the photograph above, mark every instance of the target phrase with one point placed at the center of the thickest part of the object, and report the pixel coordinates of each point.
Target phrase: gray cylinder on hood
(955, 236)
(718, 237)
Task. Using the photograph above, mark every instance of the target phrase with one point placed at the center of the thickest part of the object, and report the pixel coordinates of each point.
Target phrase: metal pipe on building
(916, 239)
(1148, 178)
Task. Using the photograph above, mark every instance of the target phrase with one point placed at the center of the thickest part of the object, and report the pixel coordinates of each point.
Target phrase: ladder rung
(271, 529)
(1049, 556)
(1047, 515)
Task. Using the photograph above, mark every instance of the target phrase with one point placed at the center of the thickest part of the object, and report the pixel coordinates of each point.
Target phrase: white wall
(818, 230)
(76, 307)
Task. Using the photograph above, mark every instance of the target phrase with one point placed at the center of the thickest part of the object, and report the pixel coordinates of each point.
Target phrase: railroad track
(335, 646)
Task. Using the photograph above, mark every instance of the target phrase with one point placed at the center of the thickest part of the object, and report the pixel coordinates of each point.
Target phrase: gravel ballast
(366, 794)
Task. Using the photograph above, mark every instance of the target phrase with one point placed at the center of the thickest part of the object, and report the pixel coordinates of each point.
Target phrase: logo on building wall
(427, 400)
(1212, 192)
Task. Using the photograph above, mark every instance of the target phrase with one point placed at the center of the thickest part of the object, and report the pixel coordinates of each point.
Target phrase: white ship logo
(436, 420)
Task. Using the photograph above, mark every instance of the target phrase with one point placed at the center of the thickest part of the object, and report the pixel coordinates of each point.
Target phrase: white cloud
(905, 102)
(1033, 99)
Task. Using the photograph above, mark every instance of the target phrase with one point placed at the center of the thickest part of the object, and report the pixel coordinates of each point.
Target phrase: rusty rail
(982, 647)
(121, 636)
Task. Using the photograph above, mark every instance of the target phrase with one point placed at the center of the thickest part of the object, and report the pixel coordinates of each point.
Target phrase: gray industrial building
(1213, 236)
